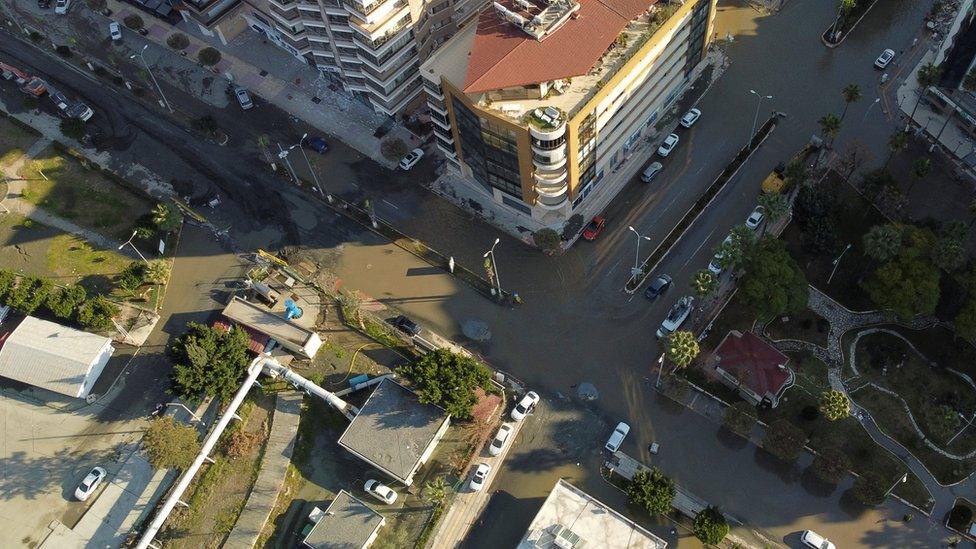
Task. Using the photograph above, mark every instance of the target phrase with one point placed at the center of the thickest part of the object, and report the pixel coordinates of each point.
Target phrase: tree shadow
(731, 440)
(814, 486)
(787, 472)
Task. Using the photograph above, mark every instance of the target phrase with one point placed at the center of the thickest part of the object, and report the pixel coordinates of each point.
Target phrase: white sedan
(479, 477)
(617, 437)
(411, 159)
(670, 142)
(115, 31)
(88, 485)
(690, 117)
(885, 58)
(755, 219)
(522, 408)
(380, 491)
(504, 432)
(815, 540)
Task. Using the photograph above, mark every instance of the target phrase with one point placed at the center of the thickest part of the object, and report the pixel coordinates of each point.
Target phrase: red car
(594, 228)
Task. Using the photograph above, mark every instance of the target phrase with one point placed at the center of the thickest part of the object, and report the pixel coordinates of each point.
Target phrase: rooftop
(572, 518)
(755, 363)
(347, 523)
(265, 321)
(393, 429)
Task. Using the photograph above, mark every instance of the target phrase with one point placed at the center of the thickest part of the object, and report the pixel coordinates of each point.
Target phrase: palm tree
(166, 217)
(436, 490)
(851, 93)
(704, 283)
(830, 127)
(681, 348)
(775, 205)
(883, 242)
(926, 76)
(920, 169)
(897, 142)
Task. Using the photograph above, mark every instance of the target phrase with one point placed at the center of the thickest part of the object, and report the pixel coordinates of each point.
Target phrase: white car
(243, 98)
(755, 219)
(411, 159)
(61, 7)
(617, 437)
(690, 117)
(815, 540)
(676, 316)
(522, 408)
(115, 31)
(504, 432)
(380, 491)
(715, 265)
(885, 58)
(670, 142)
(479, 477)
(88, 485)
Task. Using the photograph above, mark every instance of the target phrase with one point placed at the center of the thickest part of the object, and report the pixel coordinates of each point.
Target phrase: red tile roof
(256, 341)
(755, 363)
(503, 55)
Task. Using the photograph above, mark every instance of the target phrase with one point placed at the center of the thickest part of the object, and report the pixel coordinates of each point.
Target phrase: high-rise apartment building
(371, 48)
(540, 103)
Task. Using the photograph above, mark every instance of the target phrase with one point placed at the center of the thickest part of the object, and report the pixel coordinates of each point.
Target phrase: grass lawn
(72, 258)
(806, 326)
(14, 141)
(64, 187)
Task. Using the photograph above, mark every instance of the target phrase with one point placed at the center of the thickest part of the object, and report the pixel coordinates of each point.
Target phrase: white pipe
(274, 369)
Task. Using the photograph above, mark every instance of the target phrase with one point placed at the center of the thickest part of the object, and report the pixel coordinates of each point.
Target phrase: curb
(849, 31)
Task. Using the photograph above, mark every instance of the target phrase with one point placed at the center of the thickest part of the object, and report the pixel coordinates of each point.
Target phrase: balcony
(551, 197)
(371, 13)
(550, 178)
(375, 45)
(549, 163)
(546, 124)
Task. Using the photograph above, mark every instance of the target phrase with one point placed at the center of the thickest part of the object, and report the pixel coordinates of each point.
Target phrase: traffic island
(845, 23)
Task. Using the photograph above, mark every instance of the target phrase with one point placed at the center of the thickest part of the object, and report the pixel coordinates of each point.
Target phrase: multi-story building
(372, 48)
(541, 103)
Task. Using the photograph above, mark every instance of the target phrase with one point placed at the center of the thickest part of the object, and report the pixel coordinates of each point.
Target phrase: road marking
(390, 204)
(612, 269)
(700, 246)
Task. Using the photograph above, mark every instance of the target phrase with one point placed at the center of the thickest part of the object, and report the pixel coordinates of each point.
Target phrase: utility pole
(637, 271)
(755, 119)
(311, 169)
(283, 154)
(151, 75)
(494, 267)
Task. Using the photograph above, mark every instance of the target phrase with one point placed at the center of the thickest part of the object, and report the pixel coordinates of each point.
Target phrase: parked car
(115, 31)
(61, 7)
(690, 117)
(715, 265)
(243, 98)
(885, 58)
(617, 437)
(80, 111)
(380, 491)
(90, 482)
(504, 432)
(755, 219)
(411, 159)
(815, 540)
(407, 326)
(317, 144)
(651, 171)
(44, 4)
(670, 142)
(676, 316)
(479, 477)
(659, 287)
(522, 408)
(594, 228)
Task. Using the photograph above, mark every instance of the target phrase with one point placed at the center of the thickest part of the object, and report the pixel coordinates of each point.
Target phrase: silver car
(243, 98)
(90, 483)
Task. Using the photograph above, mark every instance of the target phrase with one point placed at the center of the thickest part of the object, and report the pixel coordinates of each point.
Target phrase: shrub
(240, 443)
(178, 41)
(710, 526)
(740, 418)
(784, 440)
(547, 240)
(170, 444)
(96, 313)
(206, 123)
(63, 51)
(132, 276)
(394, 148)
(208, 56)
(869, 489)
(73, 128)
(133, 21)
(64, 302)
(831, 465)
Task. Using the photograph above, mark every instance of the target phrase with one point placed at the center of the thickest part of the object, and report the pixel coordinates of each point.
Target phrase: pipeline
(273, 369)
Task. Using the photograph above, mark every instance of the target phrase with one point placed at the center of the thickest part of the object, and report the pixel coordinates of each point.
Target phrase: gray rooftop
(393, 429)
(261, 319)
(347, 524)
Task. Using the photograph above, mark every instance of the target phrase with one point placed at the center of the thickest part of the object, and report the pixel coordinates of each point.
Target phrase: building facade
(539, 104)
(371, 48)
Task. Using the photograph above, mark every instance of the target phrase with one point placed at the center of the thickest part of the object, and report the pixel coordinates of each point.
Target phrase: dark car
(44, 4)
(658, 288)
(594, 228)
(317, 144)
(406, 325)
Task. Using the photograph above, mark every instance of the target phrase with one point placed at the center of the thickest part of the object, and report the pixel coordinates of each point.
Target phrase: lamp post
(494, 266)
(151, 75)
(129, 242)
(283, 154)
(904, 478)
(179, 405)
(755, 119)
(660, 366)
(314, 176)
(637, 272)
(875, 102)
(837, 262)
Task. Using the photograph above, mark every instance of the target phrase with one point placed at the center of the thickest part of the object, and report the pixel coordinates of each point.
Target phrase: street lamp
(660, 366)
(129, 242)
(283, 154)
(755, 119)
(904, 478)
(636, 272)
(837, 262)
(314, 176)
(875, 102)
(151, 75)
(494, 266)
(179, 405)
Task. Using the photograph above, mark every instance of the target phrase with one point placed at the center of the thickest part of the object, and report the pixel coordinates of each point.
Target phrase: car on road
(755, 219)
(411, 159)
(617, 437)
(115, 31)
(380, 491)
(815, 540)
(504, 432)
(676, 316)
(659, 287)
(44, 4)
(243, 98)
(479, 477)
(594, 228)
(651, 171)
(406, 325)
(525, 405)
(670, 142)
(317, 144)
(690, 117)
(90, 483)
(61, 7)
(80, 111)
(715, 265)
(885, 58)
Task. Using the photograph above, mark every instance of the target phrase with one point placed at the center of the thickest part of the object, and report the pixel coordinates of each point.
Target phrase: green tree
(965, 321)
(926, 76)
(734, 249)
(920, 169)
(831, 465)
(29, 294)
(784, 440)
(775, 206)
(772, 283)
(710, 526)
(897, 142)
(851, 93)
(740, 418)
(834, 405)
(547, 240)
(157, 271)
(436, 490)
(651, 491)
(883, 242)
(795, 173)
(907, 286)
(170, 444)
(206, 123)
(64, 302)
(208, 56)
(869, 488)
(969, 81)
(681, 348)
(448, 380)
(829, 127)
(941, 422)
(133, 21)
(132, 276)
(167, 217)
(949, 253)
(704, 283)
(96, 313)
(72, 128)
(208, 361)
(8, 279)
(178, 41)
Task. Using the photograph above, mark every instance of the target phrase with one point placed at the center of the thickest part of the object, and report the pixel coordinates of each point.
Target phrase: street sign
(162, 247)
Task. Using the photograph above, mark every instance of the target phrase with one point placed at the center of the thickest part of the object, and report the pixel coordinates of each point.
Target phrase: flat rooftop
(573, 516)
(393, 429)
(347, 523)
(258, 317)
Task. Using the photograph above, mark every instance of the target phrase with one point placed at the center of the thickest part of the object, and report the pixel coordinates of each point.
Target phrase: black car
(657, 288)
(406, 325)
(44, 4)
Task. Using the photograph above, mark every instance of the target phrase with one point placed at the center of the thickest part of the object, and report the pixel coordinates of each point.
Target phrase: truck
(775, 182)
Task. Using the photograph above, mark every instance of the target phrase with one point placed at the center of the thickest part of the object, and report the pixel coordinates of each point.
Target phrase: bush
(710, 526)
(133, 21)
(869, 489)
(63, 51)
(73, 128)
(448, 380)
(132, 276)
(64, 302)
(240, 443)
(208, 56)
(740, 418)
(206, 123)
(651, 491)
(178, 41)
(831, 465)
(29, 293)
(394, 148)
(170, 444)
(547, 240)
(96, 313)
(784, 440)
